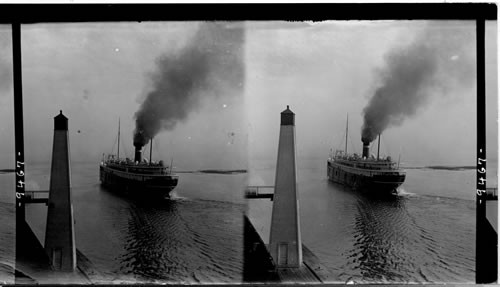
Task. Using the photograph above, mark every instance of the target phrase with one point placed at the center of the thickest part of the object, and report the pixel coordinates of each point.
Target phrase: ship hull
(373, 182)
(143, 185)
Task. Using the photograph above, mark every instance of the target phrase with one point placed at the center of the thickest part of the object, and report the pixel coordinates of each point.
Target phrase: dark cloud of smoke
(435, 63)
(211, 65)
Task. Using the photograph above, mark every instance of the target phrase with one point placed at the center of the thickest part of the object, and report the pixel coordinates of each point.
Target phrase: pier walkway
(59, 261)
(311, 270)
(259, 266)
(285, 259)
(33, 267)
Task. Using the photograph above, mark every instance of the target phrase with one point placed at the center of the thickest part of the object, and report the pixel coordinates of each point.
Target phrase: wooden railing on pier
(491, 193)
(30, 197)
(253, 191)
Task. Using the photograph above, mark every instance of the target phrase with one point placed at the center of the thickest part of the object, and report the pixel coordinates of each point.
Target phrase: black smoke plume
(433, 64)
(211, 65)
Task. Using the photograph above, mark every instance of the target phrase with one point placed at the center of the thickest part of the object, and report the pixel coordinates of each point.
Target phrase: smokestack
(138, 153)
(366, 149)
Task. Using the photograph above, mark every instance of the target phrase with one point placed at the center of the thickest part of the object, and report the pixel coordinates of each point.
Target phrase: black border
(35, 13)
(18, 14)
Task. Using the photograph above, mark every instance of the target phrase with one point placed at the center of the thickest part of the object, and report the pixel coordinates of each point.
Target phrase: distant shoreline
(216, 171)
(443, 167)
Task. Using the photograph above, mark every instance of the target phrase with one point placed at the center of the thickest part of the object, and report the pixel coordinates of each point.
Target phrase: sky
(97, 73)
(329, 70)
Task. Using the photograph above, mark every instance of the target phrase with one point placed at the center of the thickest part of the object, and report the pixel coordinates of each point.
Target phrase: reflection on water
(186, 239)
(426, 233)
(393, 244)
(182, 240)
(176, 240)
(380, 231)
(7, 242)
(147, 247)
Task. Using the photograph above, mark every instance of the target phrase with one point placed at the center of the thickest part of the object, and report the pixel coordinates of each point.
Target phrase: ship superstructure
(139, 176)
(365, 172)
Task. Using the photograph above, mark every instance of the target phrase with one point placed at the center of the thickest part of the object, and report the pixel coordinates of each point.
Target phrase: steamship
(138, 177)
(367, 172)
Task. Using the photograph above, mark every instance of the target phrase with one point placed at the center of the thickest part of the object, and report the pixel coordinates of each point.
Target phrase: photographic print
(211, 149)
(373, 179)
(138, 131)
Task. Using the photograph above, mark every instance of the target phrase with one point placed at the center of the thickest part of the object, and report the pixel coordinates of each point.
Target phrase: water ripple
(391, 242)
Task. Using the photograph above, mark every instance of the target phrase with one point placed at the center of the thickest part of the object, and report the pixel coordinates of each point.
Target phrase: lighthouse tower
(285, 244)
(60, 234)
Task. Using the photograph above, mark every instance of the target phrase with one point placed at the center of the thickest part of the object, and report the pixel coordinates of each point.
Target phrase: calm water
(426, 234)
(195, 237)
(7, 228)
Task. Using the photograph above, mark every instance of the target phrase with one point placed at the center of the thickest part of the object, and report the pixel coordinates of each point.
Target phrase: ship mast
(150, 150)
(378, 146)
(118, 153)
(346, 132)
